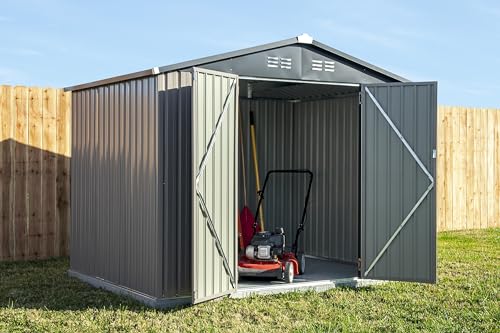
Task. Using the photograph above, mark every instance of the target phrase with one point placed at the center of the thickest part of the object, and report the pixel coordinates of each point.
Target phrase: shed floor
(320, 275)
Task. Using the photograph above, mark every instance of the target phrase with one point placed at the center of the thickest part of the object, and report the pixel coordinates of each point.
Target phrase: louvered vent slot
(329, 66)
(320, 65)
(317, 65)
(273, 62)
(278, 62)
(286, 63)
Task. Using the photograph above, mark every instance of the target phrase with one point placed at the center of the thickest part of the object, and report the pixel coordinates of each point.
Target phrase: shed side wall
(175, 96)
(115, 232)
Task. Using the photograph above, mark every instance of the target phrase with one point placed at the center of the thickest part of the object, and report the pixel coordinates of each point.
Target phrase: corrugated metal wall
(393, 182)
(327, 141)
(116, 234)
(322, 136)
(175, 95)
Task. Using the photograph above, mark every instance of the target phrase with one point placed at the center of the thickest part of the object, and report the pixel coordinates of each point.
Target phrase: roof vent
(323, 65)
(304, 39)
(279, 62)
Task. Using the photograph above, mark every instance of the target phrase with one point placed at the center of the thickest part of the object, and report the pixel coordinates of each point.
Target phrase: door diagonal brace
(201, 199)
(420, 164)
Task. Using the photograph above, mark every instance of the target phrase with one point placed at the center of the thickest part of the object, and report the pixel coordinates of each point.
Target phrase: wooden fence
(35, 181)
(468, 168)
(34, 172)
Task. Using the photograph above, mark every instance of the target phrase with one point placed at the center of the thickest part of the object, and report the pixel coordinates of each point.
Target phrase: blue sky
(62, 42)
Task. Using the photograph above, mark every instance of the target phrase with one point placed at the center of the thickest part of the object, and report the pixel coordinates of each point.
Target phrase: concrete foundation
(320, 275)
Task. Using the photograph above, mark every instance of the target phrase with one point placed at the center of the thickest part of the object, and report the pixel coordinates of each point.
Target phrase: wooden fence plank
(453, 123)
(20, 172)
(491, 181)
(452, 217)
(35, 173)
(6, 170)
(63, 168)
(481, 168)
(442, 168)
(470, 179)
(49, 170)
(496, 215)
(459, 131)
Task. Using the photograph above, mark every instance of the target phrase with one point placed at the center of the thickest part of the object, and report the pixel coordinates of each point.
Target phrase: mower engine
(266, 245)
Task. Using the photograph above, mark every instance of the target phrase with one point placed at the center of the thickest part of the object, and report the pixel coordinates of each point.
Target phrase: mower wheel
(301, 258)
(288, 274)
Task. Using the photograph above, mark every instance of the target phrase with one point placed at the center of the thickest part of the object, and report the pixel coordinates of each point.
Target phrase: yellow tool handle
(256, 168)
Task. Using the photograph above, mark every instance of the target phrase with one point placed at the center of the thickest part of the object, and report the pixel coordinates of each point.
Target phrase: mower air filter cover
(264, 252)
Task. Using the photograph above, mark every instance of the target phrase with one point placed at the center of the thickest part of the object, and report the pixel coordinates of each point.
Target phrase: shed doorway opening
(305, 126)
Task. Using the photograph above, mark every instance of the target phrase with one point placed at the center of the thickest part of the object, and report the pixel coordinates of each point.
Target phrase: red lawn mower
(266, 255)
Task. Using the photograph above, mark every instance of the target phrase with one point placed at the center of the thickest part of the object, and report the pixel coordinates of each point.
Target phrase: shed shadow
(34, 202)
(45, 285)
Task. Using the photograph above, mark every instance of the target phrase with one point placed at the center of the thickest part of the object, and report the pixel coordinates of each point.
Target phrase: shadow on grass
(45, 284)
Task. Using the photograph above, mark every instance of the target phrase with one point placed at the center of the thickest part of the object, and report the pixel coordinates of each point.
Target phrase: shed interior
(305, 126)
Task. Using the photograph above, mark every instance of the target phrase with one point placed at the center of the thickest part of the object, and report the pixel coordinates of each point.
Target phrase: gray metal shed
(156, 172)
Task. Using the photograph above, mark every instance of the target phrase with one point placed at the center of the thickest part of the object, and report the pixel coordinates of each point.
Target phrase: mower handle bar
(304, 211)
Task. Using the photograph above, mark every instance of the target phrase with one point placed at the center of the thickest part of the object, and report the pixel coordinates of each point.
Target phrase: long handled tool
(256, 166)
(246, 217)
(244, 174)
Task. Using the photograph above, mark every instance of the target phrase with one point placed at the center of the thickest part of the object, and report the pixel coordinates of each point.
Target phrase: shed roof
(302, 40)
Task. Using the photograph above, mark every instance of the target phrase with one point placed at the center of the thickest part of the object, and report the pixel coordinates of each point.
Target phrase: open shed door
(215, 106)
(398, 210)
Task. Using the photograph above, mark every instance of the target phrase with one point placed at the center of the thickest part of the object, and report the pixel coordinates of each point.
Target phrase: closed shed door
(215, 183)
(398, 210)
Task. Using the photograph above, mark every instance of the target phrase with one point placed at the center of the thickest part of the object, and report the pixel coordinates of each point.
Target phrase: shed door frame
(369, 97)
(205, 220)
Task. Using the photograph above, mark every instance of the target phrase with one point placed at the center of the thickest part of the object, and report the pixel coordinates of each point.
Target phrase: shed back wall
(322, 136)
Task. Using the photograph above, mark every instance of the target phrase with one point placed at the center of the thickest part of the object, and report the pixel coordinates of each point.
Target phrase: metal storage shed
(156, 174)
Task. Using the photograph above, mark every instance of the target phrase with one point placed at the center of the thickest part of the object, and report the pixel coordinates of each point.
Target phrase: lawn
(39, 296)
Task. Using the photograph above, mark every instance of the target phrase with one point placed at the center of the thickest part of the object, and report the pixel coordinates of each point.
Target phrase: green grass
(39, 296)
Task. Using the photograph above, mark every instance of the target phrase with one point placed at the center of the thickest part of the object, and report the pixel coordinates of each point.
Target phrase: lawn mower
(267, 255)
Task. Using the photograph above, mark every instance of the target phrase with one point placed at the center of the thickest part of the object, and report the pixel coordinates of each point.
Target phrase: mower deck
(320, 275)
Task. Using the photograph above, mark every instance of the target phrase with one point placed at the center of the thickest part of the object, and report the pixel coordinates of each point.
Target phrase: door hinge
(359, 264)
(360, 99)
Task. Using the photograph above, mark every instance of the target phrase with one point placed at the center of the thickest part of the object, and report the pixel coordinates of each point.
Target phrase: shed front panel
(115, 234)
(398, 212)
(215, 195)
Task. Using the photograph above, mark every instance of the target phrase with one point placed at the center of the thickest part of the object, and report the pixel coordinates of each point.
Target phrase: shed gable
(298, 62)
